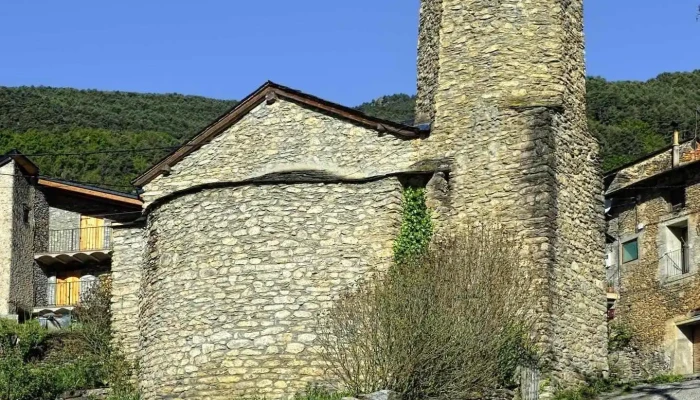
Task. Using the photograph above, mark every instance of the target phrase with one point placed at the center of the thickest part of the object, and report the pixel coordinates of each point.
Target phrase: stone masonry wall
(235, 278)
(650, 302)
(22, 275)
(64, 220)
(281, 137)
(428, 59)
(6, 201)
(41, 245)
(127, 262)
(579, 301)
(509, 108)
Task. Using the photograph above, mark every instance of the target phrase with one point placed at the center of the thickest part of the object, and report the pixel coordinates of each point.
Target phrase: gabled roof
(269, 92)
(27, 166)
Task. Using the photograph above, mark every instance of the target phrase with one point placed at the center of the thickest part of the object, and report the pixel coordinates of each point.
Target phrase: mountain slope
(629, 118)
(59, 109)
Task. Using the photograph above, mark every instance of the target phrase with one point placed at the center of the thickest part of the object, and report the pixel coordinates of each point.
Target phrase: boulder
(381, 395)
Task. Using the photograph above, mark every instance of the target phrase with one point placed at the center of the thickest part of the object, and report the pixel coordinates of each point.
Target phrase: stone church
(251, 228)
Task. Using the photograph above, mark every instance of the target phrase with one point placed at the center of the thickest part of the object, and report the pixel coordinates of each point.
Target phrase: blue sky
(345, 51)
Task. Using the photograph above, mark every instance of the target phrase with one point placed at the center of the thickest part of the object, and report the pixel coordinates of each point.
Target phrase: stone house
(252, 227)
(246, 233)
(653, 259)
(56, 240)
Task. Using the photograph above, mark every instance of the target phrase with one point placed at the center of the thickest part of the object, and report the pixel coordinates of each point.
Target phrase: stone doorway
(686, 359)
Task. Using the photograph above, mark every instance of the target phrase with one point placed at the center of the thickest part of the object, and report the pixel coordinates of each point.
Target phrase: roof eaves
(89, 190)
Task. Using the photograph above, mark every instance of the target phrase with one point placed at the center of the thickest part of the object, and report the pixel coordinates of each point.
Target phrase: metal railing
(63, 294)
(612, 276)
(677, 262)
(80, 239)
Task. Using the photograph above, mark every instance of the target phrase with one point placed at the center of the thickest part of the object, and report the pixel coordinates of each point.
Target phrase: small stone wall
(638, 365)
(235, 278)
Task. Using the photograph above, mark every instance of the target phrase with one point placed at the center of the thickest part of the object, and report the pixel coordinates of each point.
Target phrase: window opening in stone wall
(630, 251)
(677, 257)
(612, 267)
(25, 214)
(676, 198)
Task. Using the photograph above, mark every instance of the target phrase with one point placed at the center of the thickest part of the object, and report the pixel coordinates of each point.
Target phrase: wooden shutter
(92, 233)
(67, 289)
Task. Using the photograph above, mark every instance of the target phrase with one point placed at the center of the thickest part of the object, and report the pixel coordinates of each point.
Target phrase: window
(630, 251)
(676, 198)
(611, 252)
(677, 257)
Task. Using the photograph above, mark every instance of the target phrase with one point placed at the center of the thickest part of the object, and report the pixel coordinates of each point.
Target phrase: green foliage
(667, 378)
(597, 384)
(55, 120)
(397, 107)
(619, 336)
(594, 386)
(38, 364)
(23, 374)
(106, 169)
(416, 226)
(58, 110)
(315, 392)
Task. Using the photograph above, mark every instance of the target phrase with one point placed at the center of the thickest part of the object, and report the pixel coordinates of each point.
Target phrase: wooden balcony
(81, 246)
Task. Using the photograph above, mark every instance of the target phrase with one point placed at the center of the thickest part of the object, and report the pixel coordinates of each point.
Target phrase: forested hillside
(629, 118)
(52, 120)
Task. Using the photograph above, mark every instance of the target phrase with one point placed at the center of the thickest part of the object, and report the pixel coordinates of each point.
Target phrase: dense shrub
(93, 318)
(38, 364)
(619, 337)
(446, 325)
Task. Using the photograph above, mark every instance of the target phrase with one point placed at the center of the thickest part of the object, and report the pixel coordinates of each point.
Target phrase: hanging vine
(416, 226)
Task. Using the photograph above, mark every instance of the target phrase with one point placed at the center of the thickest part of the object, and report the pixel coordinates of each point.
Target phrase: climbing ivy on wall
(416, 226)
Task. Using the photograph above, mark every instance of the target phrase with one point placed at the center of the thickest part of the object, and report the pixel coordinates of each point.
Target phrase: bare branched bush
(94, 317)
(446, 325)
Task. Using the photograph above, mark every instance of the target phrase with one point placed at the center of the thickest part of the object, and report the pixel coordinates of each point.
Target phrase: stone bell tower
(503, 84)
